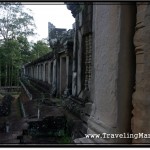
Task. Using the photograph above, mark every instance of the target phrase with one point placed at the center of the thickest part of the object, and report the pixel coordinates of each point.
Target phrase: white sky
(58, 15)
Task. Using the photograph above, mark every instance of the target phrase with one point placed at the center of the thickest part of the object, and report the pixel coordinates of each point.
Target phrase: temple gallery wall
(100, 70)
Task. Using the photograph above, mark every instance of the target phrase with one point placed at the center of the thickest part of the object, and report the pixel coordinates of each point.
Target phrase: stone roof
(47, 56)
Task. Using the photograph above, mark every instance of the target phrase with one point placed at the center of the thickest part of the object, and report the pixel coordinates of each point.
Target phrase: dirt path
(16, 123)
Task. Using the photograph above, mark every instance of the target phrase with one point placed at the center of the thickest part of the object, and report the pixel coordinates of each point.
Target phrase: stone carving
(140, 122)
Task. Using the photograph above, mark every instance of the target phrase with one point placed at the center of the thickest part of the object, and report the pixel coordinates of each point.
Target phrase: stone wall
(112, 72)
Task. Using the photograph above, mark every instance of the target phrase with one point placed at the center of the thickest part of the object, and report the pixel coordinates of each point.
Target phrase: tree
(16, 24)
(39, 49)
(10, 59)
(24, 47)
(15, 21)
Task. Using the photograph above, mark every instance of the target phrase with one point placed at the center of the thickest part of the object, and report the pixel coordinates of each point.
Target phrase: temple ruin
(97, 75)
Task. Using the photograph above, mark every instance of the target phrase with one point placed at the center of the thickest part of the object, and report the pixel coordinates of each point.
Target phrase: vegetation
(39, 49)
(16, 25)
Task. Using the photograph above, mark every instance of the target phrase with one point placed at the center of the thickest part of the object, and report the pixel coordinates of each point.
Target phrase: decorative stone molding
(141, 101)
(88, 60)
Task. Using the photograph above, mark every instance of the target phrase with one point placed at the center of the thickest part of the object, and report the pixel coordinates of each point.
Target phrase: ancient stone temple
(100, 70)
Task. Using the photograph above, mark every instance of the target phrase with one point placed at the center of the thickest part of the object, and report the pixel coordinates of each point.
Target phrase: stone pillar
(74, 65)
(49, 70)
(44, 71)
(54, 74)
(79, 51)
(70, 74)
(37, 71)
(141, 96)
(63, 74)
(112, 72)
(34, 72)
(40, 71)
(67, 72)
(58, 76)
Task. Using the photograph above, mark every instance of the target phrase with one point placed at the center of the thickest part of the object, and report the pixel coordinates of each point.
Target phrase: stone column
(40, 77)
(37, 71)
(41, 71)
(79, 61)
(58, 76)
(141, 96)
(67, 71)
(63, 74)
(75, 59)
(49, 70)
(44, 71)
(34, 71)
(54, 73)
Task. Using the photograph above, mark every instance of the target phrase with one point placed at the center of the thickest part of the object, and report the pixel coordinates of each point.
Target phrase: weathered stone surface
(112, 75)
(141, 100)
(105, 62)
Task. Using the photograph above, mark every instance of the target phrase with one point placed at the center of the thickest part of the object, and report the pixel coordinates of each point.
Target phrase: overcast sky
(58, 15)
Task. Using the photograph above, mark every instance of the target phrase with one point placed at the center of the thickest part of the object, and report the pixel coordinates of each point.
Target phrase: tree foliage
(39, 49)
(15, 21)
(16, 25)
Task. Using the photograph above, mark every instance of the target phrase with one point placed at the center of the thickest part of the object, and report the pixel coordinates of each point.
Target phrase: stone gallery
(100, 71)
